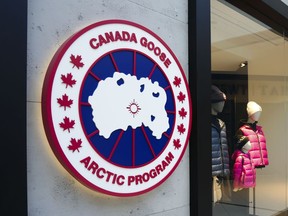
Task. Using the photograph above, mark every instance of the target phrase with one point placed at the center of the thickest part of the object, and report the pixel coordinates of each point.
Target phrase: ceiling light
(243, 64)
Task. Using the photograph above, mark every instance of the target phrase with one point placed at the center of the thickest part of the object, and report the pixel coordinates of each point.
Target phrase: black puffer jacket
(220, 154)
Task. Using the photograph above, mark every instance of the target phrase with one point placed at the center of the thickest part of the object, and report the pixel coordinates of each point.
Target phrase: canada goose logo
(116, 108)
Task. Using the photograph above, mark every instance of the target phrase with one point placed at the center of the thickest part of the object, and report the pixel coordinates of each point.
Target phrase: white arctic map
(123, 100)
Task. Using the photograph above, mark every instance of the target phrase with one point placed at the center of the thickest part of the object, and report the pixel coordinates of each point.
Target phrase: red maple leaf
(181, 97)
(75, 144)
(67, 124)
(177, 81)
(64, 101)
(182, 112)
(181, 129)
(177, 143)
(76, 61)
(68, 80)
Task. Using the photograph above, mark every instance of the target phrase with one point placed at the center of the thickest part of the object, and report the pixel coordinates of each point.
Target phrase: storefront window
(249, 65)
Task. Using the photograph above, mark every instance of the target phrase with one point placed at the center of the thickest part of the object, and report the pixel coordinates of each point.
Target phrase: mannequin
(245, 149)
(253, 111)
(217, 107)
(220, 155)
(244, 173)
(255, 134)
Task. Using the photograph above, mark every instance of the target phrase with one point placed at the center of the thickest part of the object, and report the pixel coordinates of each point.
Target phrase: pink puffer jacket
(244, 173)
(258, 152)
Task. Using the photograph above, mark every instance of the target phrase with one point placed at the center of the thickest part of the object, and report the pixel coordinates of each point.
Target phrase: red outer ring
(47, 113)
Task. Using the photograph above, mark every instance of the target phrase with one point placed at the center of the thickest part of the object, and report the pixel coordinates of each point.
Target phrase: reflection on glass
(249, 63)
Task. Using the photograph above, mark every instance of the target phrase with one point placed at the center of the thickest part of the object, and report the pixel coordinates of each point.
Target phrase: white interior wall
(267, 85)
(51, 189)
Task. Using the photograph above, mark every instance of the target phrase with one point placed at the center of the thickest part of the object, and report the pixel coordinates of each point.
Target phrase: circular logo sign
(116, 108)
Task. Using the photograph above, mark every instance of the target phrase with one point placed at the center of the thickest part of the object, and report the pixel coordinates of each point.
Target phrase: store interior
(249, 63)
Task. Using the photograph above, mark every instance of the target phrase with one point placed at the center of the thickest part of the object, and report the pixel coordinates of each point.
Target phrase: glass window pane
(249, 64)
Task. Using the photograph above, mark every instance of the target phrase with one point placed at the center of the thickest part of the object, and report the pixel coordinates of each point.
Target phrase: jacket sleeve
(238, 136)
(237, 171)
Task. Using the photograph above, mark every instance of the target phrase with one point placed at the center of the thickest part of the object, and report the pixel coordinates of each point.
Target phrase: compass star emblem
(133, 108)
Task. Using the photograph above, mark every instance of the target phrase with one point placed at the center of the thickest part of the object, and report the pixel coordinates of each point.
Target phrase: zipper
(254, 177)
(221, 153)
(260, 149)
(243, 173)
